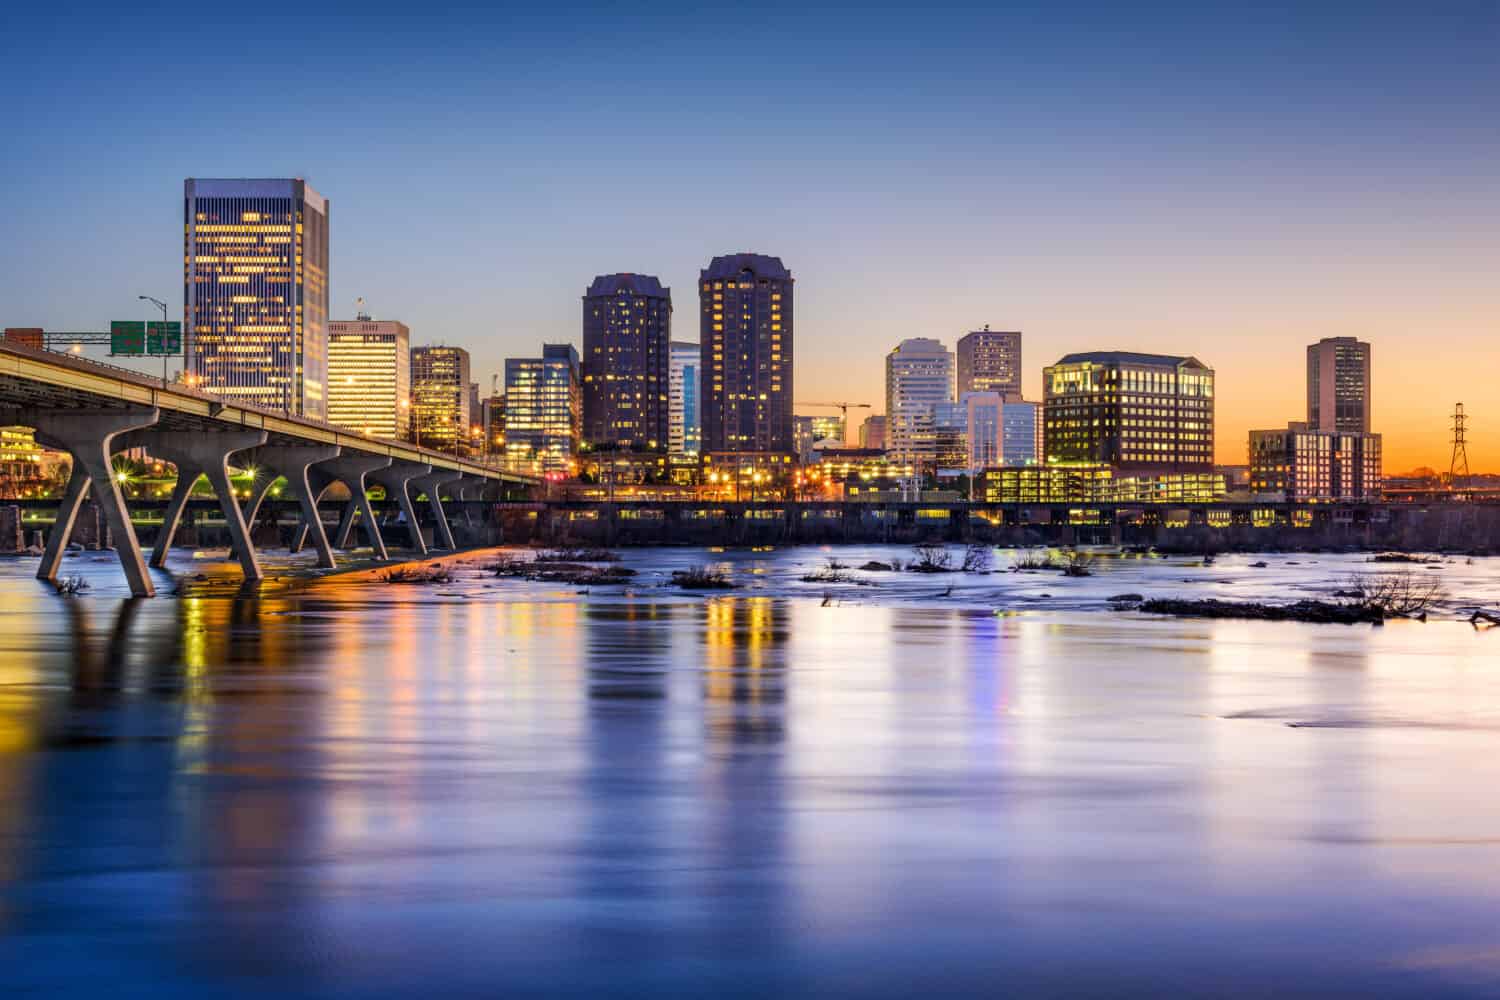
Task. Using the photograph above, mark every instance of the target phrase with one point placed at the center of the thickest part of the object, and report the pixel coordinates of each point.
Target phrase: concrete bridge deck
(92, 411)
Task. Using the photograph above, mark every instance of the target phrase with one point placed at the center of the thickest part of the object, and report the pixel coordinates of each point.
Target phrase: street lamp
(163, 307)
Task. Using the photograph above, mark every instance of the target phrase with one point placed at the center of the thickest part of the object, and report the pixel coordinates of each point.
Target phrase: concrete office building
(1146, 412)
(919, 375)
(1338, 385)
(990, 361)
(255, 292)
(1302, 463)
(746, 351)
(626, 364)
(440, 398)
(369, 377)
(872, 433)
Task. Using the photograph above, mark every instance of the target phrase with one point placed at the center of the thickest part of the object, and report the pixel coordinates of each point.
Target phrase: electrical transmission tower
(1458, 465)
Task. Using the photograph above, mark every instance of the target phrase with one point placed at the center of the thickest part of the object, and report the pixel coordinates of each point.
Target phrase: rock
(1258, 565)
(874, 566)
(1127, 598)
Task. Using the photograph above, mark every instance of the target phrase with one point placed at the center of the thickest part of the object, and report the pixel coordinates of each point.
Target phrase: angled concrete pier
(203, 453)
(351, 470)
(90, 437)
(432, 485)
(397, 478)
(295, 463)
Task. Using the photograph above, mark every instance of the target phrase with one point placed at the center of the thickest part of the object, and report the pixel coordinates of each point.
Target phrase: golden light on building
(369, 376)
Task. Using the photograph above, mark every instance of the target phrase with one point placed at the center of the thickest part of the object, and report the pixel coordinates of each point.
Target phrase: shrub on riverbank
(418, 574)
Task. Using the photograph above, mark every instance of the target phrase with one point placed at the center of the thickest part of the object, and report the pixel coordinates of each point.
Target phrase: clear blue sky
(1228, 180)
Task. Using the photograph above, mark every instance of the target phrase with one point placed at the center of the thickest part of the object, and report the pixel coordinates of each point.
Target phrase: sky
(1231, 181)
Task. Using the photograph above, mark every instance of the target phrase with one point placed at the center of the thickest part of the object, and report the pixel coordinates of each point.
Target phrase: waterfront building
(440, 398)
(1021, 433)
(1338, 385)
(20, 460)
(950, 436)
(872, 433)
(369, 376)
(626, 365)
(919, 375)
(1148, 412)
(544, 411)
(809, 431)
(685, 400)
(1095, 482)
(746, 351)
(255, 292)
(990, 361)
(853, 473)
(1302, 462)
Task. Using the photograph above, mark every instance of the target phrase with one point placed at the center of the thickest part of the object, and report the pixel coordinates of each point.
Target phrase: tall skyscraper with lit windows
(918, 378)
(255, 292)
(543, 411)
(369, 377)
(440, 398)
(684, 413)
(1338, 385)
(626, 365)
(746, 345)
(990, 361)
(1148, 412)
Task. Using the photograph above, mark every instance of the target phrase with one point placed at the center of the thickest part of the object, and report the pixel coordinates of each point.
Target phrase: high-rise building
(990, 361)
(1338, 385)
(543, 410)
(746, 354)
(684, 399)
(1305, 463)
(255, 292)
(984, 429)
(369, 377)
(1021, 433)
(872, 433)
(1150, 412)
(627, 336)
(440, 398)
(918, 376)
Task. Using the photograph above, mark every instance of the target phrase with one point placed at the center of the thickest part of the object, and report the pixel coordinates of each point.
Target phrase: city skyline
(1079, 194)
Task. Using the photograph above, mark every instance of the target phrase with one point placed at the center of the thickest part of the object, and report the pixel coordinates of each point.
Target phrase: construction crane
(843, 409)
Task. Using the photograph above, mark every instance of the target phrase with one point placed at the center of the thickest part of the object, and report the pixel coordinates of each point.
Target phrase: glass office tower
(255, 292)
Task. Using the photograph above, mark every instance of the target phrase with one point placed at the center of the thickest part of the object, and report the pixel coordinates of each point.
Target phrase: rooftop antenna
(359, 309)
(1458, 465)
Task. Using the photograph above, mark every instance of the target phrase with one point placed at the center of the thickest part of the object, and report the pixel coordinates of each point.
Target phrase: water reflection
(356, 793)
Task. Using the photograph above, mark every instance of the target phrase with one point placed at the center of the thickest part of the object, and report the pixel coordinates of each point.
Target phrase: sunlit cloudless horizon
(1227, 181)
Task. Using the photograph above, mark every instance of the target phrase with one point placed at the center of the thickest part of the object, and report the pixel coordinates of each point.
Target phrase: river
(965, 784)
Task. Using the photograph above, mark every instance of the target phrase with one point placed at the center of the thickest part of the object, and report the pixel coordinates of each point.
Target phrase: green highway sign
(128, 337)
(164, 338)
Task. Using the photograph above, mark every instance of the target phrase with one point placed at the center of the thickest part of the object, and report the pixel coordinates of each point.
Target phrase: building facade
(1303, 463)
(746, 351)
(626, 365)
(1338, 385)
(1149, 412)
(809, 431)
(919, 376)
(255, 292)
(369, 377)
(990, 361)
(872, 433)
(1021, 433)
(984, 420)
(440, 398)
(685, 400)
(544, 411)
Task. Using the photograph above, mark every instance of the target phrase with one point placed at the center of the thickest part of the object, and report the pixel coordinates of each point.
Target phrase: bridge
(93, 411)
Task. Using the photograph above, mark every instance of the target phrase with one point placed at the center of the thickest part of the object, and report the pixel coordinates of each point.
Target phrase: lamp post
(163, 307)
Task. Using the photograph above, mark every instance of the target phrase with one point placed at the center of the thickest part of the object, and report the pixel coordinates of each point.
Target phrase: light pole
(163, 307)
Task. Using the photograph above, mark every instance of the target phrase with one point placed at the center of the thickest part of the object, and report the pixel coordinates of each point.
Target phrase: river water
(957, 784)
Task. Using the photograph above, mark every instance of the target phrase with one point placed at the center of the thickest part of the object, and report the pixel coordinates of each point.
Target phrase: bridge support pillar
(203, 453)
(293, 462)
(351, 470)
(397, 479)
(442, 535)
(89, 436)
